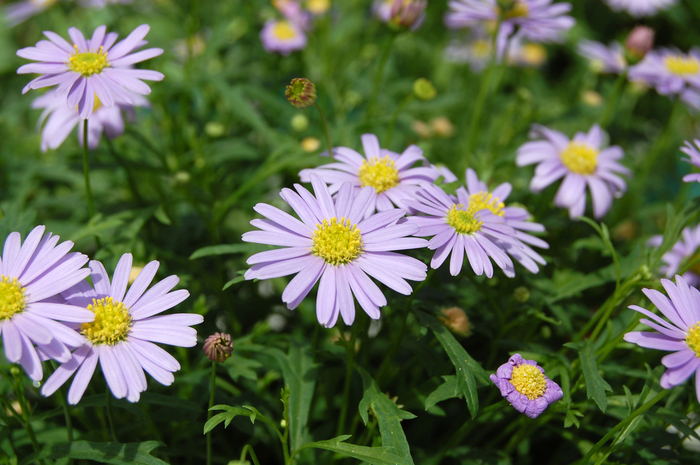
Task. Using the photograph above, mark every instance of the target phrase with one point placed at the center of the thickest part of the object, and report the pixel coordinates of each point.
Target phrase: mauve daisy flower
(694, 159)
(124, 330)
(282, 36)
(671, 72)
(604, 59)
(639, 8)
(680, 335)
(401, 13)
(335, 244)
(89, 69)
(18, 12)
(103, 3)
(523, 383)
(685, 251)
(31, 274)
(580, 162)
(61, 119)
(392, 176)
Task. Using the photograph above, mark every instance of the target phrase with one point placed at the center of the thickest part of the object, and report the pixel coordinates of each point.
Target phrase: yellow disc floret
(484, 200)
(681, 66)
(12, 298)
(518, 10)
(337, 241)
(283, 30)
(529, 380)
(580, 158)
(693, 338)
(88, 63)
(464, 221)
(112, 322)
(380, 174)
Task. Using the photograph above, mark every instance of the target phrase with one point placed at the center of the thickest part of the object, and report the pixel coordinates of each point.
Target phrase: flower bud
(407, 14)
(442, 126)
(424, 89)
(218, 347)
(300, 122)
(301, 93)
(639, 42)
(521, 294)
(456, 321)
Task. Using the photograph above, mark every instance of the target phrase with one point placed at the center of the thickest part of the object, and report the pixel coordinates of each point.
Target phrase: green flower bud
(301, 93)
(424, 89)
(521, 294)
(300, 122)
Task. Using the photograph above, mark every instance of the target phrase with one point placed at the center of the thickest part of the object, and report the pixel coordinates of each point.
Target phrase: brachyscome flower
(282, 36)
(604, 59)
(401, 13)
(125, 327)
(524, 384)
(393, 176)
(218, 347)
(90, 69)
(639, 8)
(639, 41)
(581, 162)
(334, 243)
(685, 251)
(671, 72)
(680, 335)
(18, 12)
(694, 159)
(301, 93)
(31, 274)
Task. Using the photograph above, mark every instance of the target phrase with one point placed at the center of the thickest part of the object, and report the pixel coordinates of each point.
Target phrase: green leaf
(137, 453)
(161, 216)
(595, 384)
(571, 418)
(675, 222)
(389, 417)
(235, 280)
(229, 414)
(372, 455)
(238, 366)
(223, 249)
(170, 402)
(446, 390)
(465, 366)
(96, 225)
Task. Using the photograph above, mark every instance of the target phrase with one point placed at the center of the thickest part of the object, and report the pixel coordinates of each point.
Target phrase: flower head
(679, 334)
(31, 276)
(694, 159)
(335, 244)
(401, 13)
(282, 36)
(671, 72)
(18, 12)
(581, 162)
(639, 8)
(301, 93)
(218, 347)
(685, 251)
(640, 41)
(91, 69)
(523, 383)
(604, 59)
(124, 329)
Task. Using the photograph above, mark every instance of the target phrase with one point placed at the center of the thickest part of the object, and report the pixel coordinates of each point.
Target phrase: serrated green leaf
(571, 418)
(104, 452)
(372, 455)
(238, 366)
(595, 384)
(229, 414)
(223, 249)
(446, 390)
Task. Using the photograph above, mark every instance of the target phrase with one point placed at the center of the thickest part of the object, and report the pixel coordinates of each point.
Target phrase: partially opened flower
(31, 274)
(604, 59)
(393, 176)
(523, 383)
(671, 72)
(680, 335)
(684, 252)
(639, 8)
(18, 12)
(694, 159)
(401, 13)
(90, 69)
(335, 244)
(123, 333)
(282, 36)
(581, 162)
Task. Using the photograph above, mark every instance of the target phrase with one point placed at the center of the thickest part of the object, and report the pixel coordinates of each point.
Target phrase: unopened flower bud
(639, 41)
(442, 126)
(407, 13)
(521, 294)
(301, 93)
(456, 321)
(424, 89)
(218, 347)
(300, 123)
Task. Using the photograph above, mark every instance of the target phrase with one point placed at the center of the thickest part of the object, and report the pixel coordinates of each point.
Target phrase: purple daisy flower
(282, 36)
(401, 13)
(124, 330)
(61, 119)
(31, 274)
(686, 250)
(680, 335)
(604, 59)
(639, 8)
(523, 383)
(463, 225)
(18, 12)
(694, 159)
(103, 3)
(392, 176)
(90, 69)
(671, 72)
(580, 162)
(333, 242)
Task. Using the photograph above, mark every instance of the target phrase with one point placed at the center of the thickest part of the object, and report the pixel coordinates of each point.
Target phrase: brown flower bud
(456, 321)
(301, 93)
(639, 41)
(218, 347)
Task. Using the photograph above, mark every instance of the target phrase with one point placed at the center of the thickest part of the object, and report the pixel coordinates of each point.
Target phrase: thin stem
(212, 390)
(350, 353)
(19, 392)
(325, 129)
(86, 170)
(378, 77)
(110, 420)
(661, 143)
(613, 100)
(248, 449)
(395, 116)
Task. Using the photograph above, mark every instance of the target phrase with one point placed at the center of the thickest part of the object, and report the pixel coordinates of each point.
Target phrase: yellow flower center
(528, 380)
(533, 54)
(337, 241)
(112, 322)
(88, 63)
(693, 338)
(481, 48)
(518, 10)
(318, 6)
(680, 65)
(463, 221)
(380, 174)
(580, 158)
(484, 200)
(12, 298)
(283, 30)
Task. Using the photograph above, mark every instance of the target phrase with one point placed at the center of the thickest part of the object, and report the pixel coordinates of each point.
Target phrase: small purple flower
(523, 383)
(89, 69)
(639, 8)
(401, 13)
(694, 159)
(335, 244)
(218, 347)
(103, 3)
(580, 162)
(604, 59)
(672, 73)
(282, 36)
(393, 176)
(121, 337)
(686, 250)
(680, 335)
(18, 12)
(31, 276)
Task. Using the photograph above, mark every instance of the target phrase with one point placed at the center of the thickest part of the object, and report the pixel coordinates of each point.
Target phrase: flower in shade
(335, 244)
(639, 8)
(18, 12)
(671, 72)
(124, 331)
(581, 162)
(694, 159)
(60, 120)
(524, 384)
(91, 69)
(604, 59)
(393, 176)
(31, 276)
(401, 13)
(680, 335)
(282, 36)
(683, 252)
(218, 347)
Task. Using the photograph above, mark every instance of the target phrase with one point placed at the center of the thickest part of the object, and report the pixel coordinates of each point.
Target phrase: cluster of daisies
(48, 310)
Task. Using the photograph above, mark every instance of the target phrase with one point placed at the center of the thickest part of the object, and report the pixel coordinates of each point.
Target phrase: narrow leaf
(446, 390)
(595, 384)
(137, 453)
(371, 455)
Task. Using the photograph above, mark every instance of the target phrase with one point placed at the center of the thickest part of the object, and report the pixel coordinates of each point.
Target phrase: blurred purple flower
(639, 8)
(671, 72)
(686, 250)
(401, 13)
(102, 3)
(694, 159)
(604, 59)
(18, 12)
(282, 36)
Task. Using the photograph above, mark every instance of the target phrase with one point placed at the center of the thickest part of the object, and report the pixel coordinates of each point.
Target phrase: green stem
(325, 129)
(19, 393)
(613, 100)
(110, 420)
(248, 449)
(86, 170)
(378, 78)
(661, 143)
(212, 390)
(395, 116)
(350, 368)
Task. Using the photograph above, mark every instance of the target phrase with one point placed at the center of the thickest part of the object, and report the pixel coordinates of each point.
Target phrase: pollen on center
(283, 30)
(112, 322)
(681, 65)
(464, 221)
(486, 201)
(12, 298)
(580, 158)
(529, 380)
(380, 174)
(88, 63)
(337, 241)
(693, 338)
